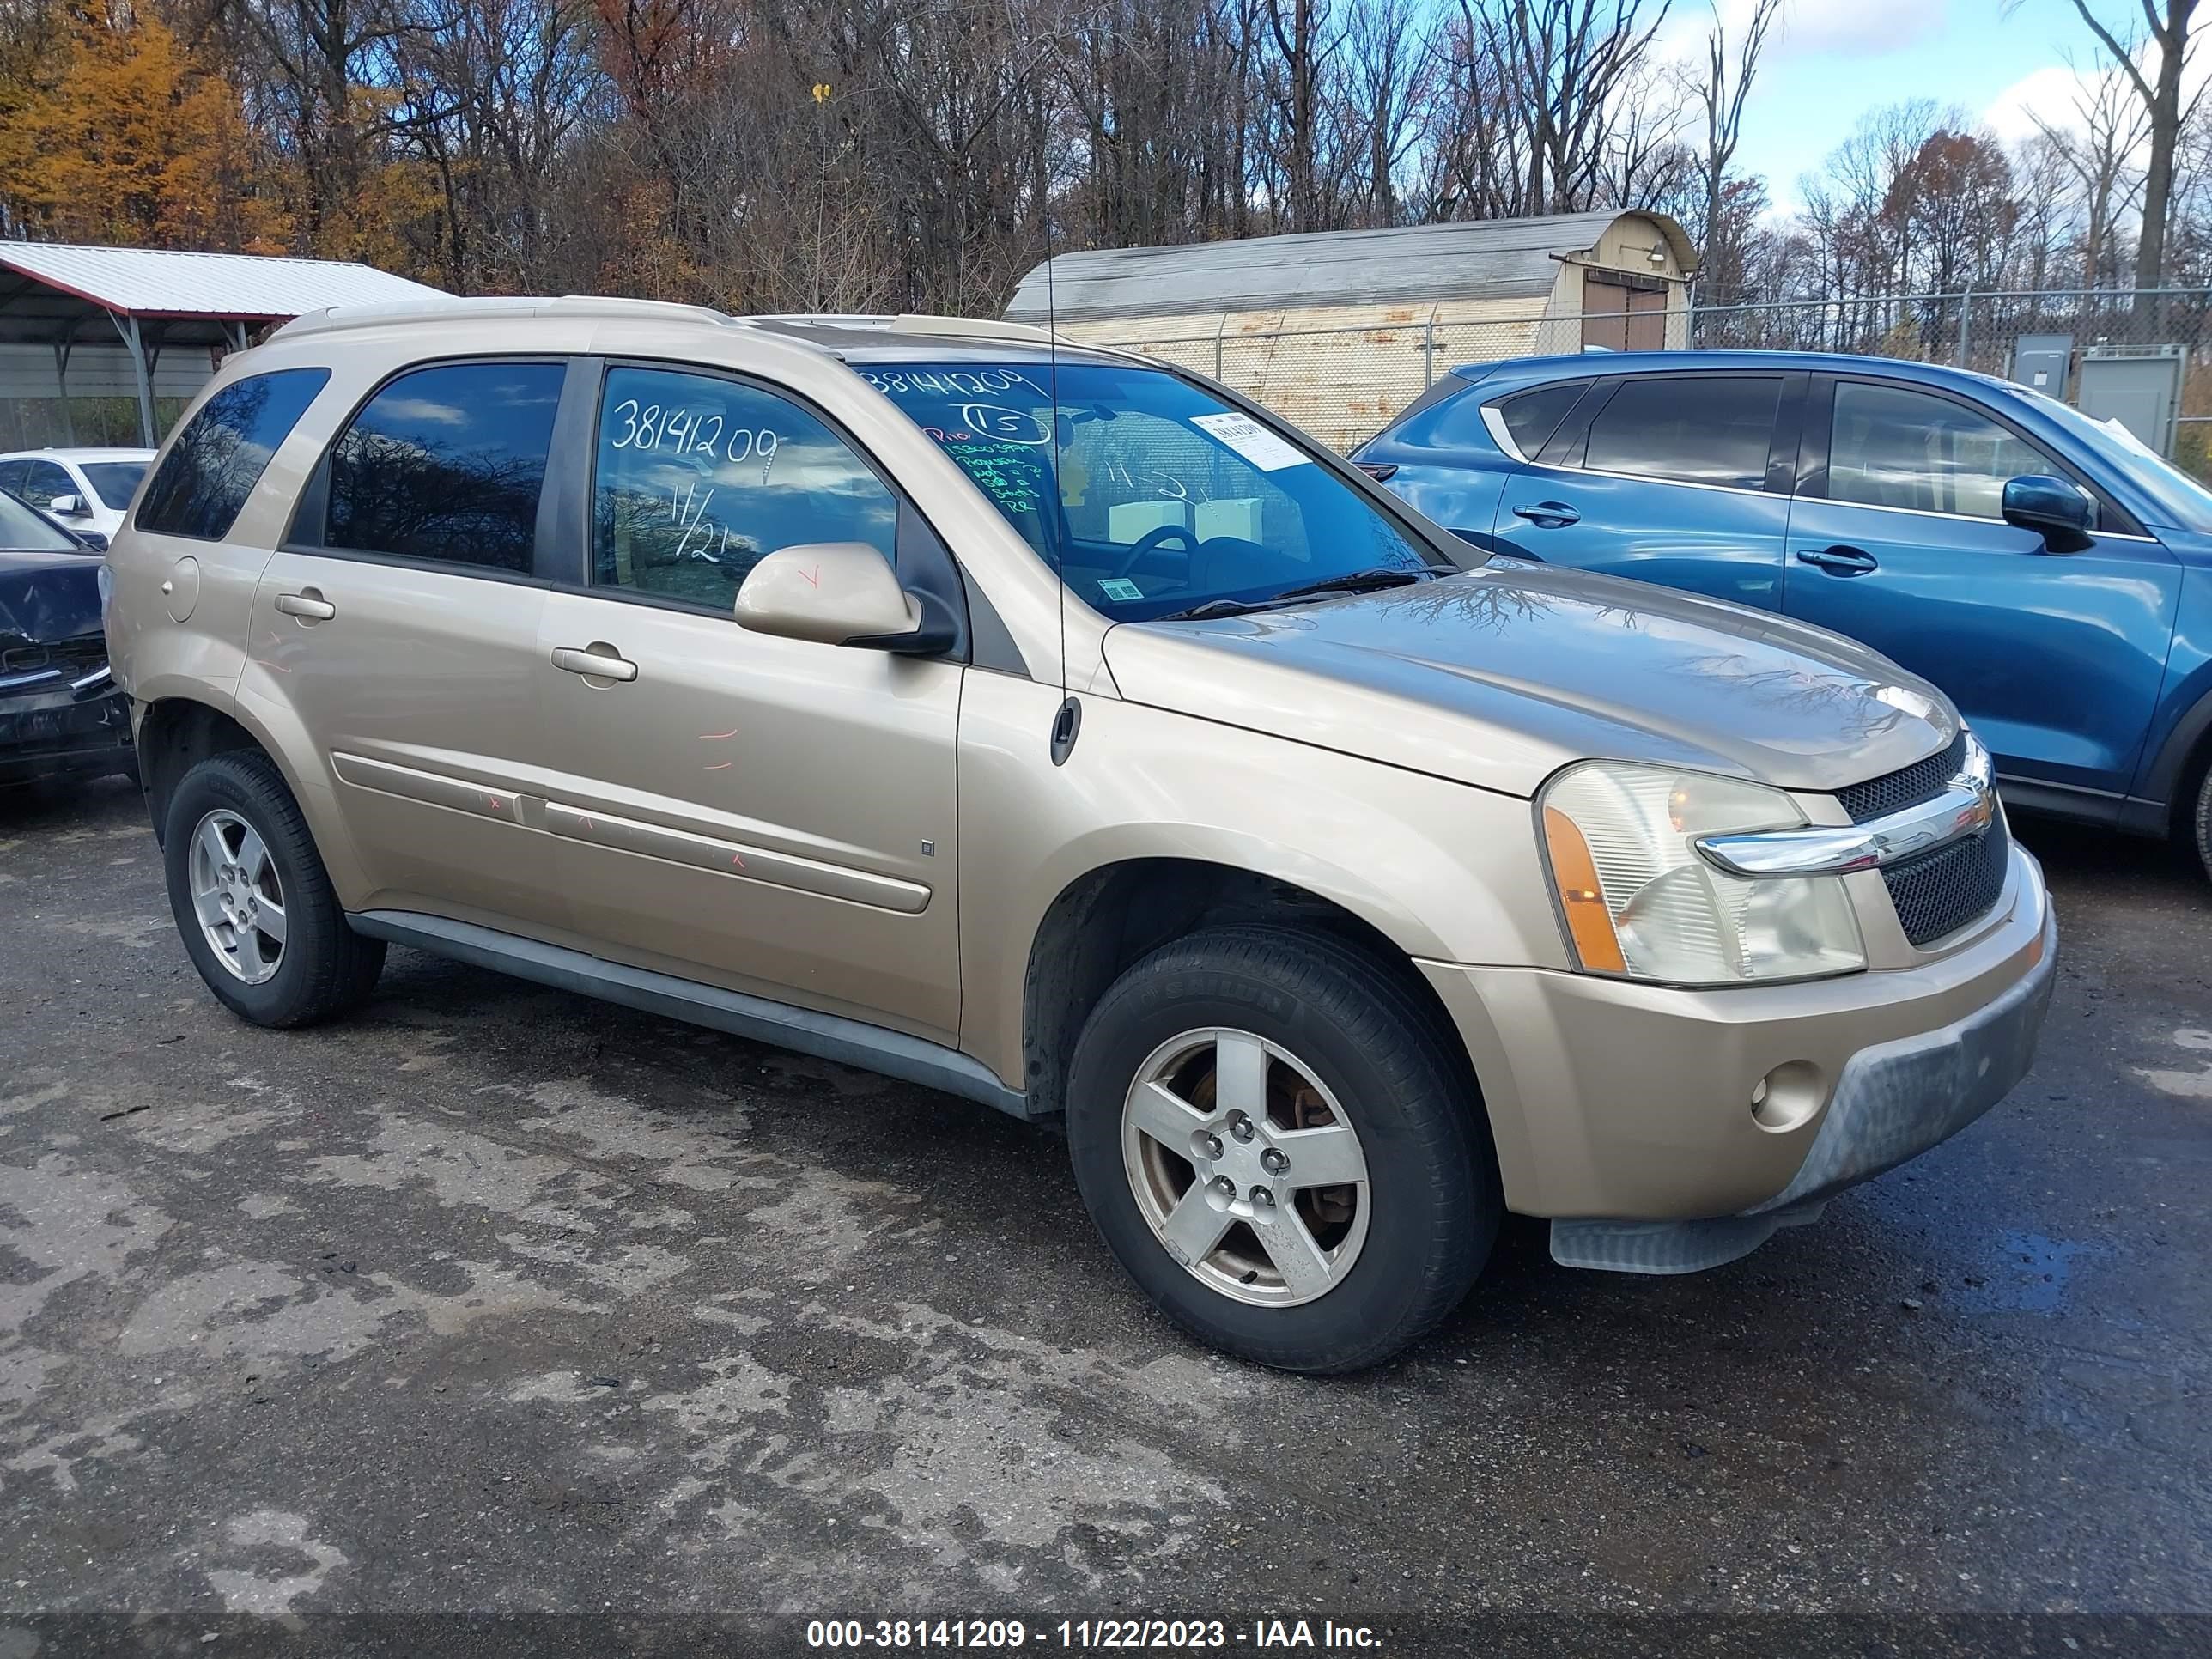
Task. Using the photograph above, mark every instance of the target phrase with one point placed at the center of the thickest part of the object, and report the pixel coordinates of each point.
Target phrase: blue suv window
(211, 469)
(1531, 417)
(1694, 429)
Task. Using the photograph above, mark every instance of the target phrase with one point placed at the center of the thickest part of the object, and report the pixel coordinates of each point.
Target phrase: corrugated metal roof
(1479, 259)
(158, 282)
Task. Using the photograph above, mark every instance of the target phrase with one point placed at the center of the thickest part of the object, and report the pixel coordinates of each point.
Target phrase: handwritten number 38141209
(692, 431)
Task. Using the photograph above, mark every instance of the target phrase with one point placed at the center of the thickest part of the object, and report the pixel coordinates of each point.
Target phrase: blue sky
(1836, 58)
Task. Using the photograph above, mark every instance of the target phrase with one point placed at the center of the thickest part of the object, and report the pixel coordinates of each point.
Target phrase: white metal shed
(138, 321)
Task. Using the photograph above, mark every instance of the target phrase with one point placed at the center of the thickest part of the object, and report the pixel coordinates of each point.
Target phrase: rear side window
(204, 479)
(446, 463)
(1701, 428)
(1533, 417)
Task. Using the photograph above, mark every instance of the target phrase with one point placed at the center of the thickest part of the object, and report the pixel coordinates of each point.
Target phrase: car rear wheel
(2201, 822)
(1279, 1146)
(253, 901)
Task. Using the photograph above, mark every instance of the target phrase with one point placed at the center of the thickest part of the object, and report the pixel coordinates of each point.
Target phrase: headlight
(1640, 901)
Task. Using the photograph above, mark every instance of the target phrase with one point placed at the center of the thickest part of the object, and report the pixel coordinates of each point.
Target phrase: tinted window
(1892, 447)
(42, 481)
(1705, 428)
(1533, 417)
(217, 460)
(114, 481)
(446, 463)
(699, 478)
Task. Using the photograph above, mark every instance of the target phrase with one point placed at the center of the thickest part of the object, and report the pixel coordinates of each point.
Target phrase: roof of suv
(1534, 371)
(871, 337)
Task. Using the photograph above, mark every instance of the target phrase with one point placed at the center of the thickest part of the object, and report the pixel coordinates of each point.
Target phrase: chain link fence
(1344, 384)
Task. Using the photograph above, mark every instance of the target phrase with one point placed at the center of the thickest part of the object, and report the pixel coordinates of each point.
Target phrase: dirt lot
(493, 1299)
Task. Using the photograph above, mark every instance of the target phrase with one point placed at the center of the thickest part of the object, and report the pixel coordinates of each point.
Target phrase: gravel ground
(492, 1300)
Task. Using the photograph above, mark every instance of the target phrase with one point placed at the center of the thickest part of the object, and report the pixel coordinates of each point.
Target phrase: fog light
(1788, 1096)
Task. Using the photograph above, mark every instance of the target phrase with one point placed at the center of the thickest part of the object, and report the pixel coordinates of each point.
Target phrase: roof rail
(335, 317)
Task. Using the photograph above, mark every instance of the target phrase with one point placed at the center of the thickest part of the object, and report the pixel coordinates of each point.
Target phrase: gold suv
(1055, 728)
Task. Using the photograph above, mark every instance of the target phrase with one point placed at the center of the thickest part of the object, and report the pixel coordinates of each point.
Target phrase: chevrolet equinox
(1052, 726)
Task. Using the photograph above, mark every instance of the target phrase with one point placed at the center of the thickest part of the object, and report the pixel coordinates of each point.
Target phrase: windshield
(1168, 499)
(2182, 502)
(20, 527)
(114, 481)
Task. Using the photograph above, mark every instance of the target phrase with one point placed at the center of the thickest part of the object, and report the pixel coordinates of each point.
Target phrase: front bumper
(63, 733)
(1624, 1111)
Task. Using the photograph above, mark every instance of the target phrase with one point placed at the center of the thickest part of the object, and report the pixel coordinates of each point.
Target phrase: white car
(87, 489)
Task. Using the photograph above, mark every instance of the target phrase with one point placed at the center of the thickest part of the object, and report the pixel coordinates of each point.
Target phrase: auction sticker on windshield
(1250, 439)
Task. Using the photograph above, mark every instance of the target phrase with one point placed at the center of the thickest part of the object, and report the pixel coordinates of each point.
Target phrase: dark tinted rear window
(212, 468)
(447, 463)
(1533, 417)
(1701, 428)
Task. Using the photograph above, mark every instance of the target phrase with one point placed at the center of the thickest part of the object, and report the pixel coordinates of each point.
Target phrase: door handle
(310, 605)
(601, 664)
(1838, 561)
(1548, 515)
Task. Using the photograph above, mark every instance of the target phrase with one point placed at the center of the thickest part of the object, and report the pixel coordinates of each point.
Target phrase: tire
(1344, 1045)
(2201, 822)
(318, 967)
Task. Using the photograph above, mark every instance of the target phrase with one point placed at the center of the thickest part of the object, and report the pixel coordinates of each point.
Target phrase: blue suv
(2049, 572)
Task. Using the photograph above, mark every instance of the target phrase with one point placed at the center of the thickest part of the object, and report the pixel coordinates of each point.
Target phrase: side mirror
(837, 593)
(68, 506)
(2062, 514)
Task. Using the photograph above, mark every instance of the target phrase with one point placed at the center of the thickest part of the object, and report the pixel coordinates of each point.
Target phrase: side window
(1531, 417)
(1890, 446)
(43, 481)
(1701, 428)
(212, 467)
(11, 476)
(698, 478)
(446, 463)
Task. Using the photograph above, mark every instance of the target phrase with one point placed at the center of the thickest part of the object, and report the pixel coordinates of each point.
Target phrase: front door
(1678, 479)
(772, 815)
(1896, 538)
(398, 632)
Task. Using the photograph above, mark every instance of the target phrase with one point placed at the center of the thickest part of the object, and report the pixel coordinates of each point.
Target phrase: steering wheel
(1156, 537)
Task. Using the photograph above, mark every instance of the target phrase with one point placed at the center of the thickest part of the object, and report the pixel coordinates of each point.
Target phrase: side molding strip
(827, 1036)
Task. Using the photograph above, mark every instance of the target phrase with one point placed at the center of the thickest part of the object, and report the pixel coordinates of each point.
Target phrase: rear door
(398, 628)
(1678, 479)
(1896, 538)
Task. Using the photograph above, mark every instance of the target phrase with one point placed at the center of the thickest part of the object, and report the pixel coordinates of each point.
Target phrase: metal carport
(107, 303)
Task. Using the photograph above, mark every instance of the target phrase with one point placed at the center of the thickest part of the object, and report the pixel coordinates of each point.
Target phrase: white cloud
(1812, 28)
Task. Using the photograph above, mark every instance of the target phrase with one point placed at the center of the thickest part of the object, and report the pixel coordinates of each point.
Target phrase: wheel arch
(1111, 916)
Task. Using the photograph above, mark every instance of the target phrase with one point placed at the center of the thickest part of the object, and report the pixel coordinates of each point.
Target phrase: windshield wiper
(1358, 581)
(1354, 581)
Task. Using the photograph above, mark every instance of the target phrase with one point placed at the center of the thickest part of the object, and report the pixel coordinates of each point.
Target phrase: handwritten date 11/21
(691, 432)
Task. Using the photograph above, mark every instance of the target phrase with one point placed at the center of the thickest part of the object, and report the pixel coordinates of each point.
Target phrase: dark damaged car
(61, 713)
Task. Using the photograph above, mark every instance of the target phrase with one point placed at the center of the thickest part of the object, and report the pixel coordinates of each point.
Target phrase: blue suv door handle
(1838, 561)
(1548, 515)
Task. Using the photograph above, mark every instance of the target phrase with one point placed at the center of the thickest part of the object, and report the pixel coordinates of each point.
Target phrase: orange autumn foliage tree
(120, 137)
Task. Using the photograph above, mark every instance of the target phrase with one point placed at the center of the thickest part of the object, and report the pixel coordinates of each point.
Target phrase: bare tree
(2099, 150)
(2168, 23)
(1721, 91)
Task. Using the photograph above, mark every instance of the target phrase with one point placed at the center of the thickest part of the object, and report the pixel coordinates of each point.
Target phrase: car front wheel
(1280, 1145)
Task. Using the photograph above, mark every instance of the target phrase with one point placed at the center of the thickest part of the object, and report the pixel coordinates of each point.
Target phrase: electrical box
(1129, 521)
(2139, 387)
(2041, 361)
(1235, 515)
